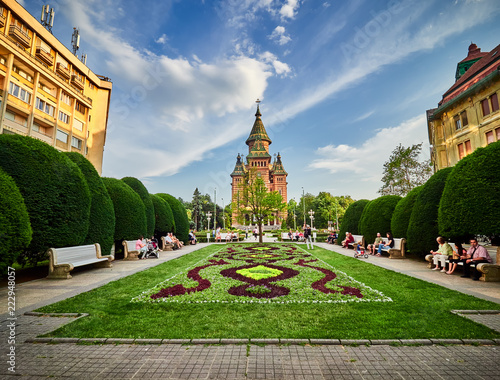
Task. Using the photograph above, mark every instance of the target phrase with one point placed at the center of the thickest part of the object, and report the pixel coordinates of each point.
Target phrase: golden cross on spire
(257, 101)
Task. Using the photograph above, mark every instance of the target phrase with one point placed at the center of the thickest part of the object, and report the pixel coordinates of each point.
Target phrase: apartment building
(46, 92)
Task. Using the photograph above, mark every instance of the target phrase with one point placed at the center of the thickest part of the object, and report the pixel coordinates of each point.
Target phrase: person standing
(476, 254)
(307, 235)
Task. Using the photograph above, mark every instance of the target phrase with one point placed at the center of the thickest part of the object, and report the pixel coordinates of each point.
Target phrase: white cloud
(279, 36)
(363, 116)
(288, 10)
(162, 39)
(280, 68)
(364, 162)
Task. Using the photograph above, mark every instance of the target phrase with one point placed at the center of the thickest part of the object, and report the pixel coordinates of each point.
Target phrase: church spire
(258, 129)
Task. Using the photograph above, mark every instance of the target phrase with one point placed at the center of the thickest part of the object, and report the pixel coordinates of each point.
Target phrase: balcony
(62, 71)
(44, 55)
(77, 82)
(20, 36)
(2, 20)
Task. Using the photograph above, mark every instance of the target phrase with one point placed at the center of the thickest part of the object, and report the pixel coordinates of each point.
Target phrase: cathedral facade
(259, 161)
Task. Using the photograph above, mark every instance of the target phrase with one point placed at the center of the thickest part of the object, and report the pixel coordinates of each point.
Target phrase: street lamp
(304, 202)
(311, 215)
(209, 214)
(223, 215)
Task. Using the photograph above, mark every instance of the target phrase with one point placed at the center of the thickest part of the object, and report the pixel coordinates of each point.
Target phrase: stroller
(153, 251)
(360, 252)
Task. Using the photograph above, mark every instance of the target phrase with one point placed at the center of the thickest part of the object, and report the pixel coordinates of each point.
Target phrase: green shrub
(352, 216)
(180, 217)
(423, 226)
(377, 217)
(130, 213)
(470, 202)
(102, 213)
(402, 213)
(164, 218)
(15, 228)
(54, 190)
(140, 189)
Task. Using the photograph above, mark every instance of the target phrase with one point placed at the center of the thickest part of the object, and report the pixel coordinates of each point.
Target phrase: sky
(341, 83)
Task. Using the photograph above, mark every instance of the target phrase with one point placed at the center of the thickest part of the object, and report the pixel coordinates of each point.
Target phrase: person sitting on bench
(475, 254)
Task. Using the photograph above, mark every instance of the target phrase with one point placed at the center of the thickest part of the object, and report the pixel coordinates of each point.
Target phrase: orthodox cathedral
(259, 160)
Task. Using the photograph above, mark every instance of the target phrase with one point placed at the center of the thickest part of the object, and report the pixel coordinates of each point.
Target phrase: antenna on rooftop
(47, 17)
(75, 40)
(84, 59)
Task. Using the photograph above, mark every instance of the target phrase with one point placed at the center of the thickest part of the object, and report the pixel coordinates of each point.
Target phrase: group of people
(295, 236)
(170, 238)
(230, 236)
(373, 249)
(476, 254)
(144, 245)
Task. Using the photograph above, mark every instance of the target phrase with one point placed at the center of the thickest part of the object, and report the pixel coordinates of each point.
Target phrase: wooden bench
(129, 251)
(398, 251)
(223, 236)
(490, 271)
(165, 245)
(357, 238)
(284, 236)
(63, 260)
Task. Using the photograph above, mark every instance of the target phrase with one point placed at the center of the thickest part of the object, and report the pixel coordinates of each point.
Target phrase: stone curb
(344, 342)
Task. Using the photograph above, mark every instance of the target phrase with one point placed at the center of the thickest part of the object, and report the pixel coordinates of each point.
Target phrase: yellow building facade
(46, 92)
(468, 116)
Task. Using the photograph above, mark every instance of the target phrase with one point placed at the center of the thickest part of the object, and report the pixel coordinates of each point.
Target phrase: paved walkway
(309, 360)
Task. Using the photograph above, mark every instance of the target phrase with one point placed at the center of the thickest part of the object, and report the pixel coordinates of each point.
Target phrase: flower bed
(249, 273)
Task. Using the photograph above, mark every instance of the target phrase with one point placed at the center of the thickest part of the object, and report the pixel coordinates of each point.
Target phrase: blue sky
(342, 83)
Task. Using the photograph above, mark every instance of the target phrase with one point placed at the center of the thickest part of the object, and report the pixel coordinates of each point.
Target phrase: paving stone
(65, 340)
(294, 341)
(446, 341)
(423, 342)
(326, 342)
(264, 341)
(205, 341)
(177, 341)
(485, 342)
(148, 341)
(93, 340)
(234, 341)
(119, 341)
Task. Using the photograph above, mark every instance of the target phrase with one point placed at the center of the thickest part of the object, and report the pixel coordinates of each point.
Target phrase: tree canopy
(403, 171)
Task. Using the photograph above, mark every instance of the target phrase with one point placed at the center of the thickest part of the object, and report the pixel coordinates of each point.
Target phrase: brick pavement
(329, 360)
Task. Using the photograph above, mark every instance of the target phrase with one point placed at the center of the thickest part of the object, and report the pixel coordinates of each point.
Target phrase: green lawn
(418, 310)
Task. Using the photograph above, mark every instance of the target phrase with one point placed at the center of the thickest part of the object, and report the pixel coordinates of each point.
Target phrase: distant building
(46, 92)
(468, 116)
(259, 160)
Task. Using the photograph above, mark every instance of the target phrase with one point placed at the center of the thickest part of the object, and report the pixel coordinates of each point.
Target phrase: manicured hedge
(140, 189)
(377, 217)
(130, 213)
(423, 226)
(15, 228)
(402, 213)
(470, 203)
(352, 216)
(180, 216)
(102, 213)
(54, 190)
(164, 218)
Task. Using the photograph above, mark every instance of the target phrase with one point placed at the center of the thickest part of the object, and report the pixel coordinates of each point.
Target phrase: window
(65, 98)
(19, 92)
(76, 143)
(494, 102)
(458, 122)
(497, 131)
(465, 121)
(43, 106)
(485, 106)
(80, 107)
(64, 117)
(62, 136)
(464, 149)
(77, 124)
(490, 138)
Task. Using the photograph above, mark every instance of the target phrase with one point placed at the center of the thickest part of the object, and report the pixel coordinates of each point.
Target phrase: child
(360, 250)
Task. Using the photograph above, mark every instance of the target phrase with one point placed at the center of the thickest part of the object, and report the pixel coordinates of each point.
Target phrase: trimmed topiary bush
(15, 228)
(423, 226)
(377, 217)
(102, 213)
(470, 202)
(140, 189)
(180, 217)
(130, 213)
(54, 190)
(164, 218)
(352, 216)
(402, 213)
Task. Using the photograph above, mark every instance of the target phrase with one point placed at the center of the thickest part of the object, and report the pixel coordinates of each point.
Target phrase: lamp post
(209, 214)
(311, 215)
(304, 202)
(223, 215)
(336, 218)
(215, 209)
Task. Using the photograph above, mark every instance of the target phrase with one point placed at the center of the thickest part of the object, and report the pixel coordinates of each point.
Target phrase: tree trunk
(260, 231)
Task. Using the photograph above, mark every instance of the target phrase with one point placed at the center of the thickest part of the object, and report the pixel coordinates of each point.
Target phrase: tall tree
(258, 202)
(196, 208)
(403, 171)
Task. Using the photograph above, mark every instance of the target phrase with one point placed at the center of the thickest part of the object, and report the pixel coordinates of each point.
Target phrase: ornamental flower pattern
(271, 273)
